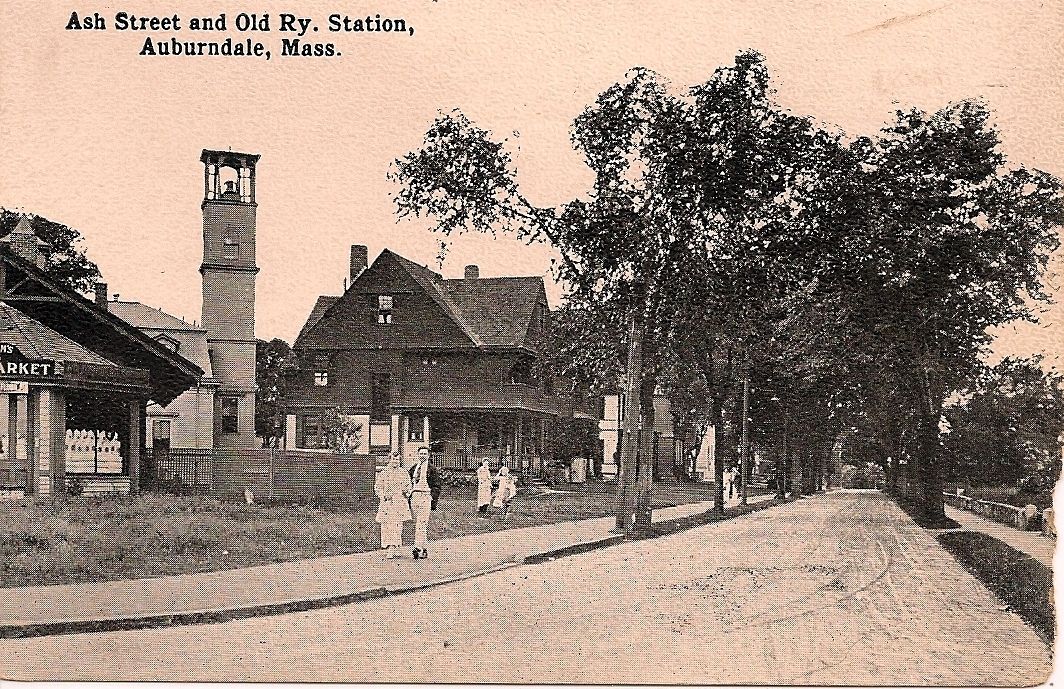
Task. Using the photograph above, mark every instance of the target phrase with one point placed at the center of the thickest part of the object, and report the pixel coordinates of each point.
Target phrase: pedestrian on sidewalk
(424, 492)
(505, 491)
(392, 487)
(483, 487)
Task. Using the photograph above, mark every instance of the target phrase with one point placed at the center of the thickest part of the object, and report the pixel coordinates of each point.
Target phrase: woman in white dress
(504, 492)
(392, 487)
(483, 487)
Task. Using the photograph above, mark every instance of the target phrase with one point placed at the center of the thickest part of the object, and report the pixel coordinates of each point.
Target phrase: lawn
(63, 540)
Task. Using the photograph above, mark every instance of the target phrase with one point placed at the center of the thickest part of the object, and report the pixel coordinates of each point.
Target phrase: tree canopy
(726, 239)
(65, 257)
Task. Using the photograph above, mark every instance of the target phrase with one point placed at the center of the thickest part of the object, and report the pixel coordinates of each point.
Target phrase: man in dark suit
(425, 492)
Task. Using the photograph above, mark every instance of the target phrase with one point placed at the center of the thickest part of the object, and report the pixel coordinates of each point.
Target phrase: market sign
(14, 363)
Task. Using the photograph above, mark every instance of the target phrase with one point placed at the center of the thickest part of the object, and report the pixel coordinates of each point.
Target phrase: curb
(539, 558)
(27, 631)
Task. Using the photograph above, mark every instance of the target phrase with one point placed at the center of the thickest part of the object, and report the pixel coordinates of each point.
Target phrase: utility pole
(630, 425)
(744, 449)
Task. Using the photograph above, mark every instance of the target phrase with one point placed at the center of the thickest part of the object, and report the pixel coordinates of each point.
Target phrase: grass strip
(1023, 583)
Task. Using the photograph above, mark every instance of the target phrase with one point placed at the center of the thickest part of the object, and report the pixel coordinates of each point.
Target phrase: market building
(417, 360)
(75, 382)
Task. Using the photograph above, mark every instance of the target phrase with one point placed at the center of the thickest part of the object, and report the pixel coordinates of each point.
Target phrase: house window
(384, 309)
(416, 434)
(230, 406)
(321, 378)
(160, 429)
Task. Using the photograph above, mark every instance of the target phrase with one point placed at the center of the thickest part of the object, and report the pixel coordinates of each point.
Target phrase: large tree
(692, 192)
(65, 257)
(1007, 427)
(271, 359)
(954, 242)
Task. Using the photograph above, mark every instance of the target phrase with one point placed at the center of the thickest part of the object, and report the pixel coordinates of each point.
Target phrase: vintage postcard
(693, 342)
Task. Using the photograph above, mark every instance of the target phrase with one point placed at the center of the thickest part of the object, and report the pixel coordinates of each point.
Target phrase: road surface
(836, 589)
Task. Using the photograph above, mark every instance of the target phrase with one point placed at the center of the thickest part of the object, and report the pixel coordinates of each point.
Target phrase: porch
(522, 441)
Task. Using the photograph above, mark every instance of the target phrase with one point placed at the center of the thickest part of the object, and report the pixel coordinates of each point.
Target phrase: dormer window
(168, 342)
(384, 309)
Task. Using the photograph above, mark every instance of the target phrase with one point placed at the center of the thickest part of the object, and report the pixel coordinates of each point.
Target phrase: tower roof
(212, 156)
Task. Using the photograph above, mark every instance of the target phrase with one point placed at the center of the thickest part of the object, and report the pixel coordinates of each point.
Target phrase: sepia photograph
(512, 342)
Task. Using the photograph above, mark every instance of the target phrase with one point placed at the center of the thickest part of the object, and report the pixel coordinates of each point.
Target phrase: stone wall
(1023, 518)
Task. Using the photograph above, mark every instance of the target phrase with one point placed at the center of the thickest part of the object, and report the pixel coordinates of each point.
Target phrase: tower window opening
(230, 247)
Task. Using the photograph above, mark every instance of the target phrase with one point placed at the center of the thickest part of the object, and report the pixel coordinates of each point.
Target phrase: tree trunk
(645, 472)
(628, 469)
(929, 476)
(782, 466)
(718, 464)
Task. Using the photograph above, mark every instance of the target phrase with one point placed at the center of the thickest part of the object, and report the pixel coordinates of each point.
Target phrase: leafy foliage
(271, 362)
(852, 282)
(1009, 426)
(66, 259)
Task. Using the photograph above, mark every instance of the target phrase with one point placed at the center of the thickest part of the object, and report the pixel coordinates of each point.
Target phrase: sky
(106, 141)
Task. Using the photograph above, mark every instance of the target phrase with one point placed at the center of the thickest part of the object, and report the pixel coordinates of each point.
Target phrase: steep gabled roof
(56, 306)
(431, 282)
(145, 317)
(497, 310)
(320, 307)
(490, 312)
(37, 341)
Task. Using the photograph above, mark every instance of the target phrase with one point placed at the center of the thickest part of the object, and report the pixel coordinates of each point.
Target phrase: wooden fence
(271, 475)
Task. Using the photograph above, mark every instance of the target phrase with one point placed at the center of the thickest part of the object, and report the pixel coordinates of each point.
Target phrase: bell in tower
(229, 271)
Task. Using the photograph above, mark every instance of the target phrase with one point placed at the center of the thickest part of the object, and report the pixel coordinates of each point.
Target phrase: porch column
(136, 441)
(51, 443)
(397, 433)
(35, 482)
(518, 438)
(11, 400)
(290, 432)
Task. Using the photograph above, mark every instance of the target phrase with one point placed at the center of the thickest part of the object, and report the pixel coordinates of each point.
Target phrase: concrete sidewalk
(1032, 543)
(297, 585)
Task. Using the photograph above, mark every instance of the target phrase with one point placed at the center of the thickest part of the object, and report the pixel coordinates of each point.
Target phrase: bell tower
(229, 272)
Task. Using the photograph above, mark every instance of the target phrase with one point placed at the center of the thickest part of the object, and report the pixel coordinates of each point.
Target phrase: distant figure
(505, 491)
(392, 487)
(483, 487)
(424, 492)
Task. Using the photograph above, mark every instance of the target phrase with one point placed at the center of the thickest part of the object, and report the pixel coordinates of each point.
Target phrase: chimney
(472, 272)
(359, 260)
(25, 243)
(101, 294)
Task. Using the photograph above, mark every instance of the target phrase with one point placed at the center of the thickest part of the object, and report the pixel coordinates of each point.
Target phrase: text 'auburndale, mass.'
(297, 27)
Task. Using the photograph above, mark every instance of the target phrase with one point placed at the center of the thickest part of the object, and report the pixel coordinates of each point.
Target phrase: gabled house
(189, 421)
(419, 360)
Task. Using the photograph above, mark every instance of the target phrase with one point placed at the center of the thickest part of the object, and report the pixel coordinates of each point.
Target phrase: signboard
(14, 387)
(14, 363)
